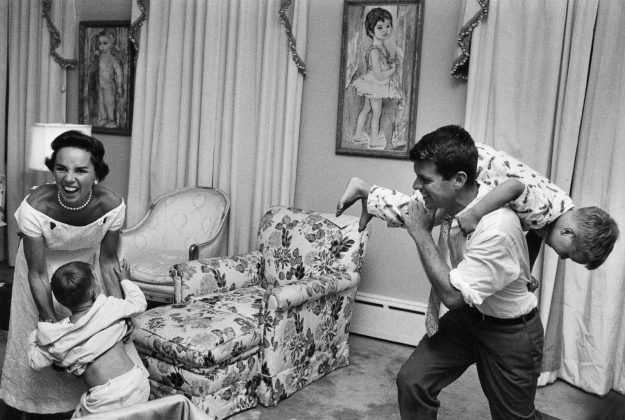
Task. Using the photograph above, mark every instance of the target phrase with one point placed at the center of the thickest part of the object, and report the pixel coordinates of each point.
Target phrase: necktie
(434, 303)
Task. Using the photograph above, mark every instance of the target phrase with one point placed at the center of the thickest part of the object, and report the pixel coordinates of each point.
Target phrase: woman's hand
(109, 262)
(35, 254)
(130, 329)
(122, 272)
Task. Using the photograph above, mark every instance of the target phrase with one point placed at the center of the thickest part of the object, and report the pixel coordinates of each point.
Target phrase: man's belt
(503, 321)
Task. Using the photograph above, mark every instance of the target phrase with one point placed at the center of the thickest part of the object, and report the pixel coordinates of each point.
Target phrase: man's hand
(418, 219)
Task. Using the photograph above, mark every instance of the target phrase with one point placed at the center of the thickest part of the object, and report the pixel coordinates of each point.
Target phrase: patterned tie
(434, 303)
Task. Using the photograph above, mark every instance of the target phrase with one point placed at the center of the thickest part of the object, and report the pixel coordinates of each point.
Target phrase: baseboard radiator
(398, 320)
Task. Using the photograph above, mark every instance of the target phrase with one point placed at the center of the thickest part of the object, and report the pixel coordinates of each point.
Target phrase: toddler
(89, 342)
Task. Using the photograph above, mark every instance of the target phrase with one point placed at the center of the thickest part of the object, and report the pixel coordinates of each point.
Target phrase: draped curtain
(546, 84)
(4, 67)
(36, 91)
(217, 103)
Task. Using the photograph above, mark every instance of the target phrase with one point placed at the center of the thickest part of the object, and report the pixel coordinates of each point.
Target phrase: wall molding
(387, 318)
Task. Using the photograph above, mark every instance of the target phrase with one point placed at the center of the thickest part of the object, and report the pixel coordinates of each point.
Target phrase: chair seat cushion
(208, 330)
(154, 269)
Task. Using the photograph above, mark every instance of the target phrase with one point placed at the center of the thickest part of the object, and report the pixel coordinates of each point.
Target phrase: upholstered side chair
(180, 225)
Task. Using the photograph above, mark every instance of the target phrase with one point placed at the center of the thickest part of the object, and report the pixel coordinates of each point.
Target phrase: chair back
(175, 221)
(299, 243)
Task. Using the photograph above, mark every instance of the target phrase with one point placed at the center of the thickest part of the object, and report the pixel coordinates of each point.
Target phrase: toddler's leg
(356, 189)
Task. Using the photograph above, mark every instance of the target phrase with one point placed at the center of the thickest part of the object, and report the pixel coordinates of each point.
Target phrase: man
(493, 321)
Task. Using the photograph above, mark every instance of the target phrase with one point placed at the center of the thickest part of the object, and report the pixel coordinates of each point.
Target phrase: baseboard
(398, 320)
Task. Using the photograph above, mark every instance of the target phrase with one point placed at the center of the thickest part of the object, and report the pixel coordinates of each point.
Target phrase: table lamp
(41, 138)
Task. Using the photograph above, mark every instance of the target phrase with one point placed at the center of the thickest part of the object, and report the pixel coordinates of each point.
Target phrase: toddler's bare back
(110, 364)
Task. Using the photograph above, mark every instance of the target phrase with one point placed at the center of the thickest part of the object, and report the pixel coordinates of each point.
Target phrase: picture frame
(379, 77)
(106, 72)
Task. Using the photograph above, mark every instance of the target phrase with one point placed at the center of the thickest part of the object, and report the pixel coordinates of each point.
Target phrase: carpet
(366, 390)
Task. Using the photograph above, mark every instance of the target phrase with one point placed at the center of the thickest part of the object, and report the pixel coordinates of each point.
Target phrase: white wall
(392, 265)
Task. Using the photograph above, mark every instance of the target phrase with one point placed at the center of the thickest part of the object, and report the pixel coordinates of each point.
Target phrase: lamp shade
(41, 138)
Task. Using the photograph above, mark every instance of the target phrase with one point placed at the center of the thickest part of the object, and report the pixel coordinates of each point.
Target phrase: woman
(74, 219)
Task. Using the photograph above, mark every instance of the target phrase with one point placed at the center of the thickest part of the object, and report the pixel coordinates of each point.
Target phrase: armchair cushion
(204, 332)
(153, 267)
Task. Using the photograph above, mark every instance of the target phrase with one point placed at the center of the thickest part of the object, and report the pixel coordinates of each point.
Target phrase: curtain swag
(301, 66)
(460, 69)
(55, 38)
(136, 26)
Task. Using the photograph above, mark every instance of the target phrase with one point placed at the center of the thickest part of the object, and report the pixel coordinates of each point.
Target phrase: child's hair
(374, 16)
(72, 283)
(595, 235)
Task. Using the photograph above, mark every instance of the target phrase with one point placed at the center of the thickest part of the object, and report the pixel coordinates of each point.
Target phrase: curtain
(4, 50)
(533, 71)
(217, 103)
(593, 343)
(36, 92)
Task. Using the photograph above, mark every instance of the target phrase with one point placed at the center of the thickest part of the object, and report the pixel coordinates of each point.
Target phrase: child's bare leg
(356, 189)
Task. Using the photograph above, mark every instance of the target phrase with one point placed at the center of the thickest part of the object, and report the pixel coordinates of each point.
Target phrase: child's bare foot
(356, 189)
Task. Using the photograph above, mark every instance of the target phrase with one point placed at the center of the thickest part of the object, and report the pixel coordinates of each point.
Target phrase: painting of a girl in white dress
(379, 74)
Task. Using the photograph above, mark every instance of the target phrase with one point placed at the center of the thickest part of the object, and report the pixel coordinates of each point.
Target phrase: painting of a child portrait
(379, 77)
(105, 77)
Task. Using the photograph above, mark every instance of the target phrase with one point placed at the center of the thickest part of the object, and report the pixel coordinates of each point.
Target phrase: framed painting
(106, 69)
(379, 78)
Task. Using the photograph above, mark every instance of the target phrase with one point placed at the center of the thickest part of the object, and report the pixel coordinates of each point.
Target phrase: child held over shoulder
(90, 342)
(585, 235)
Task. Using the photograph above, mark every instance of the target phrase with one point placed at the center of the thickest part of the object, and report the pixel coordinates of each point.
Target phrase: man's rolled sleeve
(489, 265)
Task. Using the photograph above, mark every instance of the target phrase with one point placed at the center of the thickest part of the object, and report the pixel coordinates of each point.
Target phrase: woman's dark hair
(71, 283)
(82, 141)
(374, 16)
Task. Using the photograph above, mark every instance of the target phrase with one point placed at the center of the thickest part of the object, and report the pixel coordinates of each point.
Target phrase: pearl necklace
(66, 207)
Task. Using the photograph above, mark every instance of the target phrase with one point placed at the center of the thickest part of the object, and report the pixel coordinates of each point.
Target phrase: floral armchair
(257, 326)
(308, 265)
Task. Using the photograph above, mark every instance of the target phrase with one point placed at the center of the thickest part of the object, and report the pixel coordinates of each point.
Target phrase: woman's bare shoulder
(41, 197)
(108, 198)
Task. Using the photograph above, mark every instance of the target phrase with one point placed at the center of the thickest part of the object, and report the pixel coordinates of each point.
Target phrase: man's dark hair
(451, 149)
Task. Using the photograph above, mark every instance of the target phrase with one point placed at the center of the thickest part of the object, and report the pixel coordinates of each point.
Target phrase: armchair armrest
(310, 288)
(217, 274)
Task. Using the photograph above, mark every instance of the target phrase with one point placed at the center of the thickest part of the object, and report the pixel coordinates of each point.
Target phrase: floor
(366, 389)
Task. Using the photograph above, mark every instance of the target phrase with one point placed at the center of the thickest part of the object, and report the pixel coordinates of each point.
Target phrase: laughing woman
(74, 219)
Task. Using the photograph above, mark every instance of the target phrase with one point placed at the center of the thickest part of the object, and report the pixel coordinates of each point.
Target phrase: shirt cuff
(470, 296)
